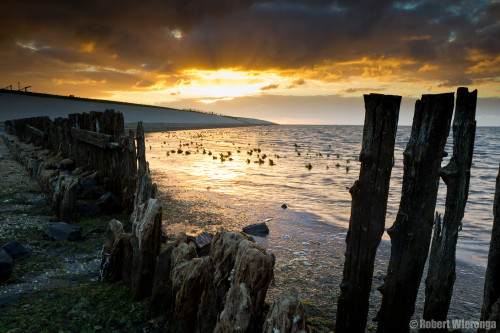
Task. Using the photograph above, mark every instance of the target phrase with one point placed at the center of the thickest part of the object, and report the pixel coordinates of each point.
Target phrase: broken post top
(431, 113)
(466, 105)
(380, 109)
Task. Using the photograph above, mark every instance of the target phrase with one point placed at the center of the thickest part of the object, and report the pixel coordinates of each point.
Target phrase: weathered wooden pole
(491, 298)
(411, 232)
(369, 205)
(456, 175)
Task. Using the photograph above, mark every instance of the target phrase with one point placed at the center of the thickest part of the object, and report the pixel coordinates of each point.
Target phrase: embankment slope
(14, 105)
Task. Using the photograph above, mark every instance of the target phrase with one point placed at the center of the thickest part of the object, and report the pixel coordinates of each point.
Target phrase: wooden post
(411, 232)
(456, 175)
(141, 149)
(491, 299)
(369, 205)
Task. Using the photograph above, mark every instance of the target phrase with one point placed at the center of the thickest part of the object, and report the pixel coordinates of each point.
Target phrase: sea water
(311, 171)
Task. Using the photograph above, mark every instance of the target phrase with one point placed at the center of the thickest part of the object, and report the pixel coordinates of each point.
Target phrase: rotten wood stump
(368, 210)
(456, 175)
(491, 299)
(411, 232)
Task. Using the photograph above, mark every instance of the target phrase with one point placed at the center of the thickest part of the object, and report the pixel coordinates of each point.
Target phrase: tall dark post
(491, 299)
(369, 205)
(456, 175)
(411, 233)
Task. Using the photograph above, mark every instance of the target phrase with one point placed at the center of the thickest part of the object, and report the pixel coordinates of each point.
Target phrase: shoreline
(310, 252)
(163, 127)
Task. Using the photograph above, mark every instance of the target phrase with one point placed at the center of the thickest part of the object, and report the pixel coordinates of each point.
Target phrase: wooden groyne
(415, 224)
(189, 289)
(94, 141)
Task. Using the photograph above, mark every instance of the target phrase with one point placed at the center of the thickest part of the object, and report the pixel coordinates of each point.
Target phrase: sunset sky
(304, 61)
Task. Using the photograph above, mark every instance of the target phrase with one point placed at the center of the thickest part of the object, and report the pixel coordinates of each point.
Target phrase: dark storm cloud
(249, 35)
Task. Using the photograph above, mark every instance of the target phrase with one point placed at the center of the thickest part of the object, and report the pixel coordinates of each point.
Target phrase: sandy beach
(309, 253)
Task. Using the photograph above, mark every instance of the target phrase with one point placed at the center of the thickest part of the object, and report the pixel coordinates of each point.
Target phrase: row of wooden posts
(412, 233)
(94, 141)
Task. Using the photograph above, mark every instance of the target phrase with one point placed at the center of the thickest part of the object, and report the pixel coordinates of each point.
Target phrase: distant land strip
(20, 104)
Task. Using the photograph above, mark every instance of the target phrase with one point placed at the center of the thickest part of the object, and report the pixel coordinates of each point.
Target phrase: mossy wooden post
(369, 206)
(456, 175)
(411, 232)
(491, 298)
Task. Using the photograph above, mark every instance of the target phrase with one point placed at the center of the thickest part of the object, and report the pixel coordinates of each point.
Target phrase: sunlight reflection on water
(332, 152)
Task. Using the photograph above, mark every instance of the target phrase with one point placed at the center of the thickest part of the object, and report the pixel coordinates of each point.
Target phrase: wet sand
(309, 252)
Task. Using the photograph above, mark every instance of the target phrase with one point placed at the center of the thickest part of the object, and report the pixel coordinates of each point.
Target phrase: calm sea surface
(332, 153)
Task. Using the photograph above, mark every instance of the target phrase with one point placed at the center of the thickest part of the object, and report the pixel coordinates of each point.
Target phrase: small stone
(202, 241)
(6, 263)
(16, 250)
(63, 231)
(259, 229)
(8, 300)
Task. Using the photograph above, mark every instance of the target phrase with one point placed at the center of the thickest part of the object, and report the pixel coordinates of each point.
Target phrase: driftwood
(93, 138)
(456, 175)
(491, 300)
(36, 131)
(411, 232)
(369, 205)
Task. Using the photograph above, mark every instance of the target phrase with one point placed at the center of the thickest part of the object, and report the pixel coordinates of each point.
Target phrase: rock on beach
(63, 231)
(258, 229)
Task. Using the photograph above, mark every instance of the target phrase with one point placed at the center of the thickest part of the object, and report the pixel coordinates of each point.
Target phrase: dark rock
(67, 164)
(259, 229)
(90, 210)
(284, 206)
(203, 241)
(6, 263)
(109, 204)
(16, 250)
(8, 300)
(63, 231)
